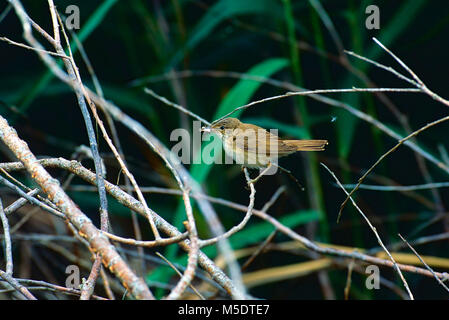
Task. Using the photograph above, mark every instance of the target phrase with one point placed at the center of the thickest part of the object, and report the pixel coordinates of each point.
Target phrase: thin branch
(147, 244)
(349, 279)
(7, 238)
(17, 286)
(192, 261)
(98, 242)
(130, 202)
(417, 79)
(175, 105)
(115, 138)
(245, 220)
(18, 44)
(374, 231)
(319, 91)
(424, 263)
(426, 186)
(180, 274)
(400, 142)
(259, 250)
(19, 203)
(381, 66)
(31, 199)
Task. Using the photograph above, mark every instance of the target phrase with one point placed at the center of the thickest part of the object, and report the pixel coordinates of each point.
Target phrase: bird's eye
(222, 128)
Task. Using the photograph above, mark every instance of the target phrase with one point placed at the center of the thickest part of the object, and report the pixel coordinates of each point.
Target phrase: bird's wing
(253, 139)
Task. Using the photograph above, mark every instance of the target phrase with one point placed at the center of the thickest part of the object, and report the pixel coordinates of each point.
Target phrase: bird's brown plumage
(257, 145)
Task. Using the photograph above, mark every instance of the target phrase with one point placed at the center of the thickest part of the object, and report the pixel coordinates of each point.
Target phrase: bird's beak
(206, 129)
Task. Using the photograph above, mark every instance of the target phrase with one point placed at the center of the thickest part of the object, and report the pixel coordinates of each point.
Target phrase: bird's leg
(290, 175)
(253, 181)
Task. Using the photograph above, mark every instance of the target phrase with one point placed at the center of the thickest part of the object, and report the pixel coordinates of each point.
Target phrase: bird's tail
(307, 145)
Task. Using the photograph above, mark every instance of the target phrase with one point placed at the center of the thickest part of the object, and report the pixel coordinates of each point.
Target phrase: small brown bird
(254, 147)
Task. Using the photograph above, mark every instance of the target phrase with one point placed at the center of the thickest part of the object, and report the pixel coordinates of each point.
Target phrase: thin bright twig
(260, 249)
(245, 220)
(7, 238)
(175, 105)
(381, 66)
(426, 186)
(417, 79)
(313, 92)
(17, 286)
(132, 203)
(400, 142)
(16, 205)
(349, 279)
(423, 88)
(30, 198)
(379, 240)
(192, 260)
(18, 44)
(424, 263)
(88, 287)
(180, 274)
(147, 244)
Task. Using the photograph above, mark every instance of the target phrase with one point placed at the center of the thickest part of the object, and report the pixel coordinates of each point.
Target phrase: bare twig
(18, 44)
(398, 270)
(130, 202)
(115, 138)
(180, 274)
(260, 249)
(147, 244)
(17, 286)
(16, 205)
(420, 86)
(425, 264)
(31, 199)
(192, 261)
(413, 134)
(381, 66)
(349, 279)
(426, 186)
(245, 220)
(7, 238)
(314, 92)
(175, 105)
(87, 230)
